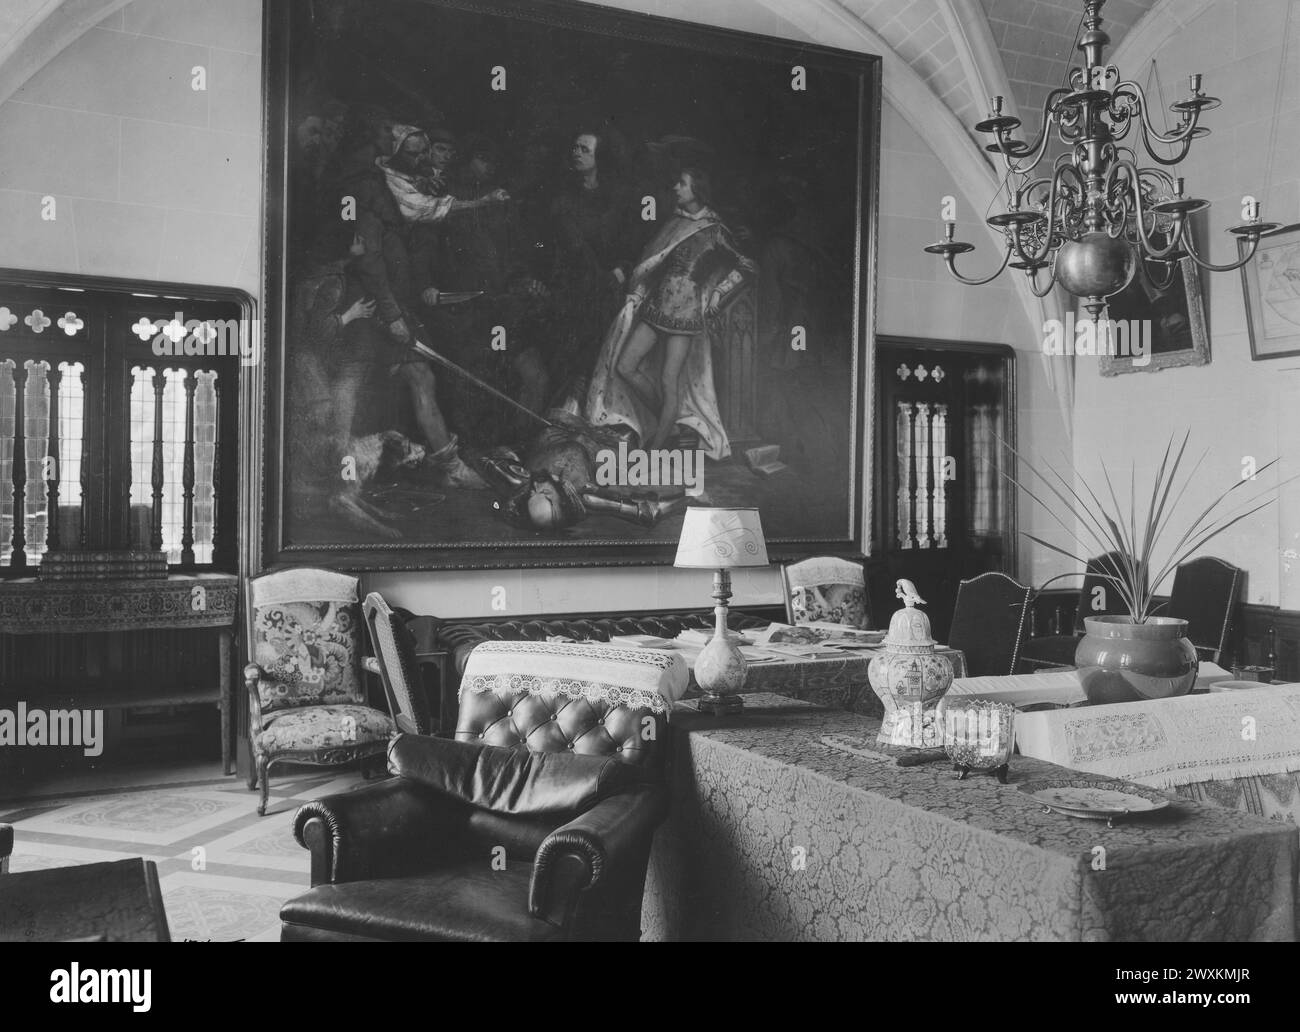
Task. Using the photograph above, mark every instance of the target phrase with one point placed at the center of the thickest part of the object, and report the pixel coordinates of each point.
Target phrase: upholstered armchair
(825, 589)
(535, 824)
(306, 700)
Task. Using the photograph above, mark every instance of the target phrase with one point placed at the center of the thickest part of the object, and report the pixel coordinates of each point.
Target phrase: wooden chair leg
(252, 771)
(263, 767)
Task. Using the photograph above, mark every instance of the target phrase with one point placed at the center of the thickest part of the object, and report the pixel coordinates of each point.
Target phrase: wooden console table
(178, 602)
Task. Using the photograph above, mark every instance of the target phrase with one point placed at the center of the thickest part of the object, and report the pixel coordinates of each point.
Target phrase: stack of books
(83, 566)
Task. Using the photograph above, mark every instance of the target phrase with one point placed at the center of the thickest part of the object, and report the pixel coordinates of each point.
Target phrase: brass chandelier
(1098, 213)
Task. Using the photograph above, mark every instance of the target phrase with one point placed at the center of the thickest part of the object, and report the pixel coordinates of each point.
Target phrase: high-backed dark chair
(1205, 594)
(396, 664)
(1097, 597)
(988, 623)
(534, 824)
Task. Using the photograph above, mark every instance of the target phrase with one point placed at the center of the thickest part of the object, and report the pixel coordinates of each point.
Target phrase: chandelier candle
(1093, 219)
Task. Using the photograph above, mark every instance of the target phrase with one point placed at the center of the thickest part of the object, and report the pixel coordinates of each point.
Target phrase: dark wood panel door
(944, 512)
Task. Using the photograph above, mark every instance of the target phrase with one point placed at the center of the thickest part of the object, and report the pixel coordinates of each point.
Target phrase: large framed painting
(1271, 283)
(1168, 308)
(540, 276)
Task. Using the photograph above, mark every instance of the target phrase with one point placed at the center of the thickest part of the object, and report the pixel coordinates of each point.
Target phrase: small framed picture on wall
(1272, 286)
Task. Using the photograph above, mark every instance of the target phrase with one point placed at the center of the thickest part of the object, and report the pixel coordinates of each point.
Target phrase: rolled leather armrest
(605, 849)
(383, 830)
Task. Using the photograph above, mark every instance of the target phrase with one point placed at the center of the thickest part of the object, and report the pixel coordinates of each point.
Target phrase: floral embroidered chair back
(307, 639)
(826, 589)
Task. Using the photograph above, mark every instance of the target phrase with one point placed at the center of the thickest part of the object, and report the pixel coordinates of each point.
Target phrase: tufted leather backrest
(584, 699)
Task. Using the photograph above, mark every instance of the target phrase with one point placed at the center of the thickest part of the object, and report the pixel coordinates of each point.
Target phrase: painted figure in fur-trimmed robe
(680, 283)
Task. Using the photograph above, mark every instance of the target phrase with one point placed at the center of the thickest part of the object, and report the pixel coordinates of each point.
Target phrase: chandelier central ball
(1095, 265)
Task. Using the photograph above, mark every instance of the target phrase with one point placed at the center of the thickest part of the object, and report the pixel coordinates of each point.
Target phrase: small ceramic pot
(1123, 661)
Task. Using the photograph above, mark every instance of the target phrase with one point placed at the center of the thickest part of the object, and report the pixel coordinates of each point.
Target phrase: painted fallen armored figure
(554, 485)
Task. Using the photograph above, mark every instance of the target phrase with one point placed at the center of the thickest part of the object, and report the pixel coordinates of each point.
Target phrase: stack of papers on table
(813, 635)
(790, 651)
(701, 636)
(641, 641)
(1058, 686)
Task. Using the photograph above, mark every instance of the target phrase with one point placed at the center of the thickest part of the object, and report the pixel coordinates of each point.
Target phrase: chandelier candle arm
(951, 260)
(1033, 281)
(1038, 147)
(1208, 267)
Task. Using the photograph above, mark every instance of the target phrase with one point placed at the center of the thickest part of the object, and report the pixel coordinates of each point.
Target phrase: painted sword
(429, 353)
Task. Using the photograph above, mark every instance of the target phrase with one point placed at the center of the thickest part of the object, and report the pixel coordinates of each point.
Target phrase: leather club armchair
(535, 824)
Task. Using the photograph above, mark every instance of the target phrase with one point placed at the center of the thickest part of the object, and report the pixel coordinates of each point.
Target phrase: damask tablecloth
(774, 835)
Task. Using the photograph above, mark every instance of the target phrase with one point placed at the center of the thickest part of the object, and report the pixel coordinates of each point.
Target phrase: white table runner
(1165, 743)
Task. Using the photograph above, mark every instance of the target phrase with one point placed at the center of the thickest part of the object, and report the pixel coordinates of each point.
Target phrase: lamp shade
(716, 539)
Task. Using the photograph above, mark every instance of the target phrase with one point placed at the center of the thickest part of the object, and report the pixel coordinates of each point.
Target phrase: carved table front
(177, 602)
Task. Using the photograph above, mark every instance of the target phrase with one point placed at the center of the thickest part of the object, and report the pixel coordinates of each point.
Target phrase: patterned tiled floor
(223, 870)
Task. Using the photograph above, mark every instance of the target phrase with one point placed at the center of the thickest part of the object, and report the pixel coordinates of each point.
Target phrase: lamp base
(720, 705)
(720, 667)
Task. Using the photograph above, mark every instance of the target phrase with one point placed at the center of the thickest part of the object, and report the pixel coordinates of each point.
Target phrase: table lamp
(721, 540)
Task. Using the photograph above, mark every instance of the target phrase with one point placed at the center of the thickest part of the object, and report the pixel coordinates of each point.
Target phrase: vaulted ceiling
(1034, 40)
(963, 49)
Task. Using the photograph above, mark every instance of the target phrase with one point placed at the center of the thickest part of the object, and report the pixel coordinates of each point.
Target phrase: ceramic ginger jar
(910, 678)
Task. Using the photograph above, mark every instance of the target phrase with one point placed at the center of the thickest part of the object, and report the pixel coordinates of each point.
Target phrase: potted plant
(1139, 655)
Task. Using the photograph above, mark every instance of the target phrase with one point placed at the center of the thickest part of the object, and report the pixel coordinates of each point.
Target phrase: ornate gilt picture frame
(1179, 322)
(505, 241)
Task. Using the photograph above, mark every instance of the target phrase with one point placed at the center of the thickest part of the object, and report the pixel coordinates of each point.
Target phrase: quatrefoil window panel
(112, 436)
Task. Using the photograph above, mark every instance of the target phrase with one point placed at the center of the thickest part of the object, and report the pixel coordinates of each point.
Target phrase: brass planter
(1123, 661)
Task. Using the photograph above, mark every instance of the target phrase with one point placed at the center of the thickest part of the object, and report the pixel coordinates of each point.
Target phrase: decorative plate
(1097, 799)
(1236, 686)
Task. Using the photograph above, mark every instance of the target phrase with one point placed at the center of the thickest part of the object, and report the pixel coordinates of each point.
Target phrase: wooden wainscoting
(1259, 636)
